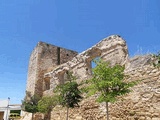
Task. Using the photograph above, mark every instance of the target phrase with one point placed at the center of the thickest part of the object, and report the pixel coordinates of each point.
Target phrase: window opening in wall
(88, 70)
(93, 64)
(47, 45)
(61, 77)
(66, 76)
(47, 84)
(58, 56)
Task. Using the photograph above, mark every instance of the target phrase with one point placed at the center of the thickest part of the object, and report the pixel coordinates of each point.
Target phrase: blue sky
(72, 24)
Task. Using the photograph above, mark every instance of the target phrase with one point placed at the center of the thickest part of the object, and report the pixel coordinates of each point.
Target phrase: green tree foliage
(108, 82)
(157, 57)
(30, 103)
(46, 104)
(68, 93)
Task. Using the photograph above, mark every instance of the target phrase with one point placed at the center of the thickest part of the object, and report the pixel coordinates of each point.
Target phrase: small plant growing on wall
(157, 62)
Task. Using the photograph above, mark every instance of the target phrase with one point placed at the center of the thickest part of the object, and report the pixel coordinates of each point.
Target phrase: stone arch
(91, 55)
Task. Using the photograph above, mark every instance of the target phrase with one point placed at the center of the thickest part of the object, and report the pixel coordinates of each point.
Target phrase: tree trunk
(67, 113)
(107, 112)
(32, 116)
(49, 115)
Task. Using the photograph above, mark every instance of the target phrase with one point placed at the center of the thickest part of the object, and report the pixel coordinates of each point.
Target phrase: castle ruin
(49, 64)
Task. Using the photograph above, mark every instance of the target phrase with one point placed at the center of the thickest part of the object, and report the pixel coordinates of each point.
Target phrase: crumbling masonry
(49, 64)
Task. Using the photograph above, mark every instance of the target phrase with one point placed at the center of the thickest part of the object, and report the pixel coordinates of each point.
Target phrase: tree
(46, 104)
(69, 93)
(30, 103)
(108, 82)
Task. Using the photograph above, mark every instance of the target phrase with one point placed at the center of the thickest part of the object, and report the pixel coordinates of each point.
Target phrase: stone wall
(111, 49)
(141, 104)
(32, 71)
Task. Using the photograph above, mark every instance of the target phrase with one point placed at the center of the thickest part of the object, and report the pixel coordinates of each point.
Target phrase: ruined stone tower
(44, 57)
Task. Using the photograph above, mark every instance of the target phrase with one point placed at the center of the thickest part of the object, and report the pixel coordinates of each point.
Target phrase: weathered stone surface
(44, 58)
(141, 104)
(111, 49)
